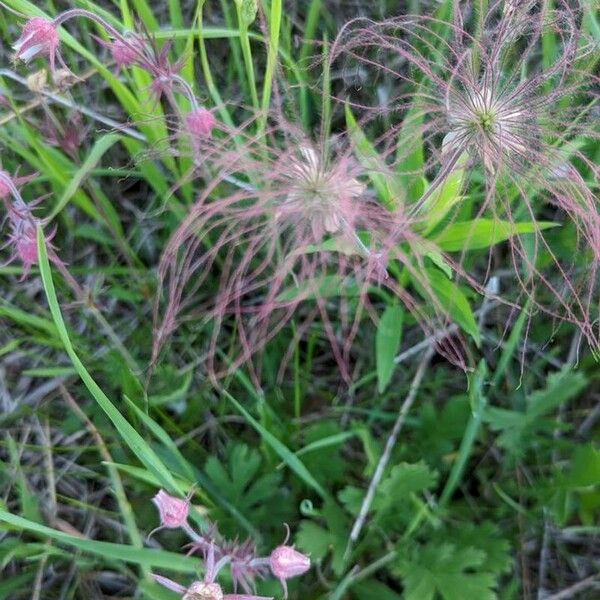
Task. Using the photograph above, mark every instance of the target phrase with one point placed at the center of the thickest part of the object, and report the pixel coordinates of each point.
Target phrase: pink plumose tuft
(295, 231)
(480, 106)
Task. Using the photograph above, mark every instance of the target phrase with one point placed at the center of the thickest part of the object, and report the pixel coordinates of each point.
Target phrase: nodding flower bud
(23, 238)
(203, 591)
(200, 122)
(173, 511)
(286, 562)
(38, 38)
(26, 247)
(124, 54)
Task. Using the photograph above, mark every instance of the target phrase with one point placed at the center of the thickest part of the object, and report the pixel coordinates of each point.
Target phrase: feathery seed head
(322, 195)
(481, 121)
(504, 112)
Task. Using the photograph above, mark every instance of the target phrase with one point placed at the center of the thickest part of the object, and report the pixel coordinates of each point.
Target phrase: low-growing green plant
(274, 266)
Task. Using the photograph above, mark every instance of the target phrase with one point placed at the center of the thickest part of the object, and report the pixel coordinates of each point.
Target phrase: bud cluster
(40, 38)
(244, 564)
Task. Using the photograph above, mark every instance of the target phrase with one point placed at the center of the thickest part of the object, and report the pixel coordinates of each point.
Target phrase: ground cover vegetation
(299, 299)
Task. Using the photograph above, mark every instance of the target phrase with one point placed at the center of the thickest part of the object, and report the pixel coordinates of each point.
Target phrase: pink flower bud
(173, 511)
(203, 591)
(38, 38)
(200, 122)
(26, 247)
(123, 54)
(286, 562)
(24, 240)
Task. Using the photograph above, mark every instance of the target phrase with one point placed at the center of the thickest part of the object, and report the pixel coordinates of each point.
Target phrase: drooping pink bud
(173, 511)
(123, 54)
(26, 248)
(24, 240)
(200, 122)
(286, 562)
(38, 38)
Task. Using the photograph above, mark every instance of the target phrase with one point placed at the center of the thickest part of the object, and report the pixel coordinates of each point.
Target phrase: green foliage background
(493, 489)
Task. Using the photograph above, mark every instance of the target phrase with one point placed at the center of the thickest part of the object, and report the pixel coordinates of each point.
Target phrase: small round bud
(123, 54)
(286, 562)
(200, 122)
(173, 511)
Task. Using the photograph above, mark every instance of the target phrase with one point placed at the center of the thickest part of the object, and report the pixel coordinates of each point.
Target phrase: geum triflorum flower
(299, 234)
(479, 96)
(287, 562)
(218, 553)
(40, 38)
(23, 224)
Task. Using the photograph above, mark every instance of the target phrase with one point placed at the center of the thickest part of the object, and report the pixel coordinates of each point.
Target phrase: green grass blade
(274, 31)
(145, 557)
(478, 403)
(288, 457)
(98, 149)
(128, 434)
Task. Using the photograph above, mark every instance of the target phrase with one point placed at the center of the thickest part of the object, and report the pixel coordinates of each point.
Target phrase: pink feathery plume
(478, 97)
(289, 227)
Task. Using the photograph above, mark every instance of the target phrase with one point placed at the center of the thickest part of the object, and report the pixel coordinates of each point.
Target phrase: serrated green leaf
(288, 457)
(447, 571)
(585, 468)
(519, 429)
(488, 538)
(313, 540)
(405, 479)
